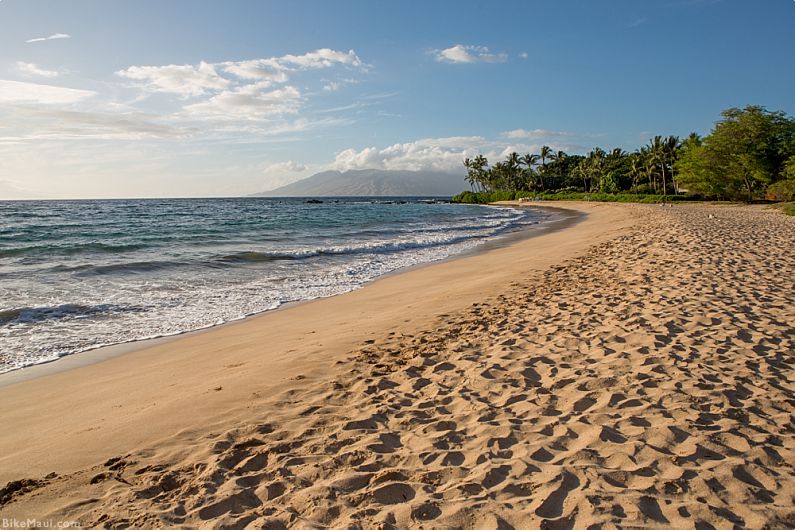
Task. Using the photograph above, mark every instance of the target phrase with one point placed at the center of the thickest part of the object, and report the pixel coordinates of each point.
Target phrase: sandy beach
(632, 370)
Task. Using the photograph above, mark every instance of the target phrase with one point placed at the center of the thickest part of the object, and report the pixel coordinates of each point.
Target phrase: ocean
(77, 275)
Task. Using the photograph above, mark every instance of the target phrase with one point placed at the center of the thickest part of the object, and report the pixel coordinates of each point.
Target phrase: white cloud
(54, 36)
(248, 102)
(241, 90)
(461, 53)
(289, 166)
(439, 154)
(536, 134)
(275, 68)
(184, 80)
(31, 69)
(523, 55)
(258, 69)
(335, 85)
(322, 58)
(433, 154)
(20, 92)
(283, 173)
(69, 124)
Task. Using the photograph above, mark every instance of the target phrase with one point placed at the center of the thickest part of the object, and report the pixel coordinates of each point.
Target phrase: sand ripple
(646, 383)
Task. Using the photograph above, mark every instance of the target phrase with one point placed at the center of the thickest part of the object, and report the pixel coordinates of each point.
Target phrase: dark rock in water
(314, 201)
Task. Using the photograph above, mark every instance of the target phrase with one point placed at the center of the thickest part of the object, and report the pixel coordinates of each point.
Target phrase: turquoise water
(75, 275)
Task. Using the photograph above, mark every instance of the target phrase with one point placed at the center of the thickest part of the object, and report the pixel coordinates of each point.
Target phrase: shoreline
(102, 353)
(614, 373)
(78, 417)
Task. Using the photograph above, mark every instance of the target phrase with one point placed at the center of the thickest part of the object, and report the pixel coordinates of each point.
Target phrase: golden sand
(634, 370)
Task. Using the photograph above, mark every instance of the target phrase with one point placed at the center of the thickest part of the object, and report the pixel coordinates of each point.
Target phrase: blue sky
(185, 98)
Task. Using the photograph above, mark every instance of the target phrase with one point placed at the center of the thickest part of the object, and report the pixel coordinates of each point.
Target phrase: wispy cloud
(289, 166)
(184, 80)
(243, 91)
(356, 105)
(536, 134)
(283, 173)
(254, 89)
(196, 80)
(276, 69)
(30, 69)
(60, 124)
(54, 36)
(21, 92)
(248, 102)
(638, 22)
(322, 58)
(462, 54)
(382, 95)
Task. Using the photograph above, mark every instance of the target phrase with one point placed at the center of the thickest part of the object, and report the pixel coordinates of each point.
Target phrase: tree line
(748, 155)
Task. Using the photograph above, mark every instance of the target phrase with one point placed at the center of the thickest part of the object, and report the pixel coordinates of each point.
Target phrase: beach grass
(787, 207)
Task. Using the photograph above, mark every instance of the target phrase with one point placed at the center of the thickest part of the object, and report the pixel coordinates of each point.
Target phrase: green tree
(530, 174)
(594, 166)
(559, 161)
(477, 174)
(661, 151)
(513, 173)
(745, 152)
(670, 153)
(635, 169)
(788, 172)
(544, 154)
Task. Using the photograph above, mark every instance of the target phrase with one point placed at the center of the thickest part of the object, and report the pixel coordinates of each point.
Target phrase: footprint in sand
(552, 507)
(394, 493)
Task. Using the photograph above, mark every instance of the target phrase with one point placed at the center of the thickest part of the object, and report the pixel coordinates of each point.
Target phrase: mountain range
(372, 183)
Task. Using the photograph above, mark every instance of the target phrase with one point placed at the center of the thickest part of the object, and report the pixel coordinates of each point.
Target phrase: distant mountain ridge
(372, 183)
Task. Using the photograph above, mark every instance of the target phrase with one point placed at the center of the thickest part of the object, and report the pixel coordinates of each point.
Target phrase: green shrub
(469, 197)
(608, 184)
(783, 190)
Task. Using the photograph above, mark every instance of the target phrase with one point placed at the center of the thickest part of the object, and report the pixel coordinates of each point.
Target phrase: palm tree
(635, 168)
(477, 174)
(581, 171)
(545, 153)
(530, 161)
(595, 163)
(512, 171)
(658, 152)
(470, 178)
(498, 176)
(648, 165)
(558, 158)
(670, 152)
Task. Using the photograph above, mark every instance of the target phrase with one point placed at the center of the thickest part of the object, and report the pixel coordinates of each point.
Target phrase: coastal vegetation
(786, 207)
(749, 155)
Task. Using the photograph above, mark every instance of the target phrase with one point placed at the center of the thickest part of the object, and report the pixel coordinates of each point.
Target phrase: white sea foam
(124, 298)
